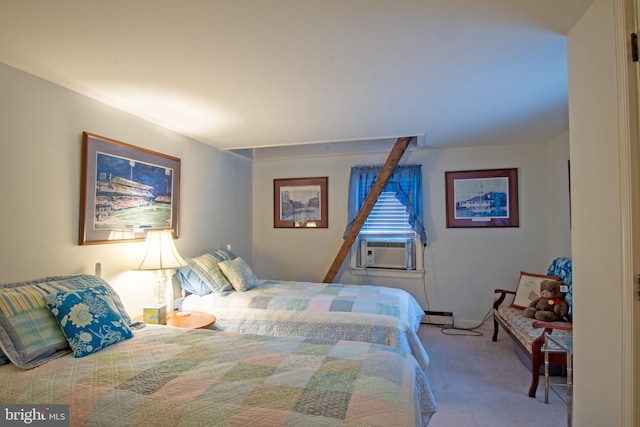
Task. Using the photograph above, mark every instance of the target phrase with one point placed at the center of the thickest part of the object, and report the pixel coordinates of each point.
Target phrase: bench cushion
(522, 329)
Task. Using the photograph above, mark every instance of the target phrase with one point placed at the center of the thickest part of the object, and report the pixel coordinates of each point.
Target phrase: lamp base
(155, 314)
(168, 294)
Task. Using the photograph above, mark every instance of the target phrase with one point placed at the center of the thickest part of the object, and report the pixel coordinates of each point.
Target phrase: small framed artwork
(300, 203)
(482, 198)
(125, 191)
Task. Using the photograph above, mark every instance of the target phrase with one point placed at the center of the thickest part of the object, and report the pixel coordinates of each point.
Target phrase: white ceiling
(257, 73)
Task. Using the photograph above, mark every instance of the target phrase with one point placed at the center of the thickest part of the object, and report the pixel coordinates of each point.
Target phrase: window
(394, 222)
(388, 216)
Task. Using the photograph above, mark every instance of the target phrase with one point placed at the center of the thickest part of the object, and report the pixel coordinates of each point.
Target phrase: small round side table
(193, 320)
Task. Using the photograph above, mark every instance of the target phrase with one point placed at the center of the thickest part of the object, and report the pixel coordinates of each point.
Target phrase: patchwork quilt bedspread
(167, 376)
(319, 310)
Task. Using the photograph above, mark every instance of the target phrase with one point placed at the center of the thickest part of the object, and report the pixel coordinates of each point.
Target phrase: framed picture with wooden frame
(125, 191)
(482, 198)
(300, 203)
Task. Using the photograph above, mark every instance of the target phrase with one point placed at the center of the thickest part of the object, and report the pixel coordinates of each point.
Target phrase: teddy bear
(550, 305)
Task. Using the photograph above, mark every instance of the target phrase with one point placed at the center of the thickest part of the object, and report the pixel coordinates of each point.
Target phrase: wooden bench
(528, 334)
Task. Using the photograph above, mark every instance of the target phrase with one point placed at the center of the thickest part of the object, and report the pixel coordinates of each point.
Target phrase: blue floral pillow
(562, 267)
(89, 319)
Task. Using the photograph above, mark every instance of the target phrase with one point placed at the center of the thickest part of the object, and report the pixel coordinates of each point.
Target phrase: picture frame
(300, 203)
(125, 191)
(482, 198)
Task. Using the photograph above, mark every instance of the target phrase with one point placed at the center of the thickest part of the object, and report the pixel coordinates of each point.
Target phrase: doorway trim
(625, 24)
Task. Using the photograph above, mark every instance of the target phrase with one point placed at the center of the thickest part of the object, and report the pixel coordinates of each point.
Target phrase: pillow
(239, 274)
(529, 288)
(224, 254)
(562, 268)
(89, 319)
(206, 267)
(87, 280)
(191, 282)
(5, 325)
(29, 333)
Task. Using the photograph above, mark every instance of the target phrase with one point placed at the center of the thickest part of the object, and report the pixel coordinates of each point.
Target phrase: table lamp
(161, 254)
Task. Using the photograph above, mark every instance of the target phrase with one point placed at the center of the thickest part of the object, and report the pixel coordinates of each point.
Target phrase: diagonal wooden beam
(392, 161)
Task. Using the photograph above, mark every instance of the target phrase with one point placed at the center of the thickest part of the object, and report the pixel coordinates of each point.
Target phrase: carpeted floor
(477, 382)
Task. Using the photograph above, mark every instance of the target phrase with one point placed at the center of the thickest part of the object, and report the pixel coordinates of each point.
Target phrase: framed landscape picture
(482, 198)
(126, 190)
(300, 203)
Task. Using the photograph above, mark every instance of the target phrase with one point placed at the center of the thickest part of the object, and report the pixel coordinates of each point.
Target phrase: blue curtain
(405, 181)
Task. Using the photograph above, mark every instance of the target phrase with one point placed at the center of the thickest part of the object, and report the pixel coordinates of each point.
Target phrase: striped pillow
(29, 333)
(207, 269)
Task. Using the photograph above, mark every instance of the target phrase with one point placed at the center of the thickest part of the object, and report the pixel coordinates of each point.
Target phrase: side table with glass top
(565, 342)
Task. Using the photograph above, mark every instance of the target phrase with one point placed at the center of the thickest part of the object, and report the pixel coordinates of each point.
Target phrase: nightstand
(194, 320)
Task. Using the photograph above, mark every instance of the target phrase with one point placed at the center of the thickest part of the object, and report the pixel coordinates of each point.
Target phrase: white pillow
(239, 274)
(529, 288)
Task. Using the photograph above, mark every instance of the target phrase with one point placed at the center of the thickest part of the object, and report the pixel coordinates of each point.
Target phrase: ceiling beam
(392, 161)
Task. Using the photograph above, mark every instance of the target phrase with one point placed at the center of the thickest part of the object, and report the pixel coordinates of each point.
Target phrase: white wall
(559, 229)
(40, 134)
(463, 265)
(596, 206)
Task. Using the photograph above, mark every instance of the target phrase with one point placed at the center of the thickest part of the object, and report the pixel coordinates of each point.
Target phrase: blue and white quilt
(374, 314)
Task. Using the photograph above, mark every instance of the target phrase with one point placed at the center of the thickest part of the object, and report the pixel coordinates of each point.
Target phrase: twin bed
(372, 314)
(168, 376)
(280, 353)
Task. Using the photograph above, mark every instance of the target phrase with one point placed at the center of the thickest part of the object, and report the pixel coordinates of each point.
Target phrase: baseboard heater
(438, 318)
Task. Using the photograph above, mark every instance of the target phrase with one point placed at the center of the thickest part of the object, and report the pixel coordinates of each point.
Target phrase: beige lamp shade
(160, 253)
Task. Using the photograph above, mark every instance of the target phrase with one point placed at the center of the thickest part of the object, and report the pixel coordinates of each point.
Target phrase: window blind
(388, 216)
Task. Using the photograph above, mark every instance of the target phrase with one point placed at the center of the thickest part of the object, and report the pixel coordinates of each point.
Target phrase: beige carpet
(477, 382)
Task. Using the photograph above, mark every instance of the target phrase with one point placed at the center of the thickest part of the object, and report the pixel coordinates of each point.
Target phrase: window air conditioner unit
(395, 253)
